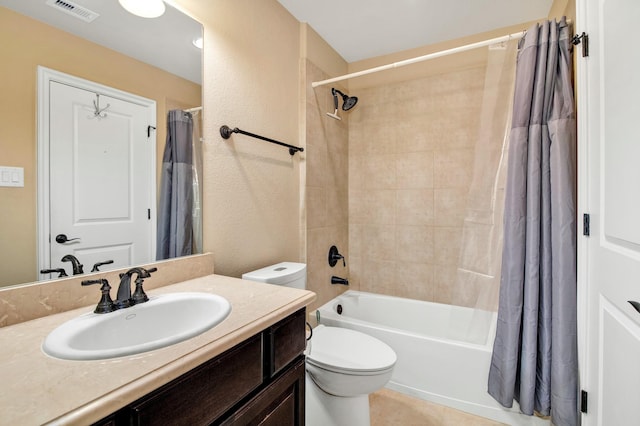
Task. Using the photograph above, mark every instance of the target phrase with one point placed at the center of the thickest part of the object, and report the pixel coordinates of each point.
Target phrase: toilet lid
(341, 349)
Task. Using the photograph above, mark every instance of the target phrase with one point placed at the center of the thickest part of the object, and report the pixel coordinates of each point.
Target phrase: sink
(162, 321)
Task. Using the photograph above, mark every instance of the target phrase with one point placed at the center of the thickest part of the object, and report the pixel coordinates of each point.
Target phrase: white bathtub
(444, 351)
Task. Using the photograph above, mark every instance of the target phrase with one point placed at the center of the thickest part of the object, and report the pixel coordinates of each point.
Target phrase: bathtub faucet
(338, 280)
(334, 256)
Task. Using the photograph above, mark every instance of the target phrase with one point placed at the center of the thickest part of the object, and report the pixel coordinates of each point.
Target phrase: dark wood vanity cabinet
(258, 382)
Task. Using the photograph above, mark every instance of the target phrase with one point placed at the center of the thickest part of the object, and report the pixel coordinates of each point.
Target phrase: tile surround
(411, 159)
(326, 187)
(392, 181)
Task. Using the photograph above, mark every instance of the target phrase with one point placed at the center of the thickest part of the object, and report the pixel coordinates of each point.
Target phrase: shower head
(348, 102)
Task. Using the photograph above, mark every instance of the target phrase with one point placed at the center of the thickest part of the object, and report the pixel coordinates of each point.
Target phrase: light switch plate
(12, 176)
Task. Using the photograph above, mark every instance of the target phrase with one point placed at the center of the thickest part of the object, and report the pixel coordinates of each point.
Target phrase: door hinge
(586, 220)
(583, 401)
(149, 214)
(584, 39)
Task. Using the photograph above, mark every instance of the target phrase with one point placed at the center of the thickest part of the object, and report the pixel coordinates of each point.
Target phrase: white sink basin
(162, 321)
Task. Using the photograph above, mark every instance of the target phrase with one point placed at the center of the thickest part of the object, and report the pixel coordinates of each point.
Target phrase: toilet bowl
(343, 366)
(345, 362)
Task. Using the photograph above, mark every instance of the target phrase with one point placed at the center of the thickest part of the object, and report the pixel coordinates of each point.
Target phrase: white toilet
(343, 366)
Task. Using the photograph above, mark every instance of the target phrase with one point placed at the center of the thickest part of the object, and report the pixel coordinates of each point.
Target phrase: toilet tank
(289, 274)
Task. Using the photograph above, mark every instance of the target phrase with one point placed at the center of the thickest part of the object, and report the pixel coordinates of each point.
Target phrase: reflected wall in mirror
(29, 42)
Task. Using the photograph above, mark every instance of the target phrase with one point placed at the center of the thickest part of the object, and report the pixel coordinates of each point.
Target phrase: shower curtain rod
(421, 58)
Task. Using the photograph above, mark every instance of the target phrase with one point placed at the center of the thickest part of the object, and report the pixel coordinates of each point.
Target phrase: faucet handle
(60, 271)
(105, 305)
(97, 265)
(146, 273)
(139, 296)
(334, 256)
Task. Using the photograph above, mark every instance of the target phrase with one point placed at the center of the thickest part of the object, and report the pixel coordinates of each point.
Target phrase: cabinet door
(279, 404)
(204, 394)
(285, 342)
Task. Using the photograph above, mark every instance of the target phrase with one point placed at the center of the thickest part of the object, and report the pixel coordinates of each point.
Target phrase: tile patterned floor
(389, 408)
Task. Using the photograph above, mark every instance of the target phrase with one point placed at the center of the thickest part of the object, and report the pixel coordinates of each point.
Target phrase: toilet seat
(350, 352)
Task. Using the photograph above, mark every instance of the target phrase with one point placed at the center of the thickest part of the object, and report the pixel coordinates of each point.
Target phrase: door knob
(62, 238)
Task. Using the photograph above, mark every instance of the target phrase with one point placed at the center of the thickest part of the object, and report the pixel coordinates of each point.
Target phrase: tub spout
(338, 280)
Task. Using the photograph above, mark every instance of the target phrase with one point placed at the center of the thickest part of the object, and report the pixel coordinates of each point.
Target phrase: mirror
(152, 58)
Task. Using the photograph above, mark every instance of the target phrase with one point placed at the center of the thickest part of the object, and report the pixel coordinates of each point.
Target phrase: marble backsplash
(39, 299)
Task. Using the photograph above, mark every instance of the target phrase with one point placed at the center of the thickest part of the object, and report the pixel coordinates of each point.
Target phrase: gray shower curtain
(535, 358)
(176, 189)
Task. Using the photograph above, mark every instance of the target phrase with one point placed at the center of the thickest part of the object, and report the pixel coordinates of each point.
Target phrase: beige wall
(251, 78)
(261, 205)
(26, 44)
(561, 8)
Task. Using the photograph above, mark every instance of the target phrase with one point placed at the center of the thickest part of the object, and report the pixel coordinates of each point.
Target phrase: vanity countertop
(37, 388)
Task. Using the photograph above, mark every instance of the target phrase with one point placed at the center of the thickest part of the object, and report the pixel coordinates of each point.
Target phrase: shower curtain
(176, 189)
(479, 256)
(197, 181)
(535, 359)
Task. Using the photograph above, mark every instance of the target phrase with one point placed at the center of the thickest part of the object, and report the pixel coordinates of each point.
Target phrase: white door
(101, 179)
(609, 259)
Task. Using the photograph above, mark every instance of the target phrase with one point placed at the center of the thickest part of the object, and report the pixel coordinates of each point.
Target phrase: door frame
(45, 77)
(583, 143)
(592, 196)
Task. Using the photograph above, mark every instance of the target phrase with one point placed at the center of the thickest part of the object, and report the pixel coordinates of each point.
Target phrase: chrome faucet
(124, 298)
(75, 264)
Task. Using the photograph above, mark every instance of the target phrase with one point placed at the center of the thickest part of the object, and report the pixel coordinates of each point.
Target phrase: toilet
(343, 366)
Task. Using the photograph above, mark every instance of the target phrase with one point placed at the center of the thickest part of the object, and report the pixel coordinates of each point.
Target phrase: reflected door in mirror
(101, 180)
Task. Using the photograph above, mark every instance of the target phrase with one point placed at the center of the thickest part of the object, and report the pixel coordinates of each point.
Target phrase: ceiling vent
(73, 9)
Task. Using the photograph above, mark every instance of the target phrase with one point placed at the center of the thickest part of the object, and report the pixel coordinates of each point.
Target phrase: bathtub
(444, 351)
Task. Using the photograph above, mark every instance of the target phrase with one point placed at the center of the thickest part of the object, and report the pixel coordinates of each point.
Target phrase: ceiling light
(144, 8)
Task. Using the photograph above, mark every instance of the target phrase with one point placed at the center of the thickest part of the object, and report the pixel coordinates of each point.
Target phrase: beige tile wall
(326, 188)
(411, 156)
